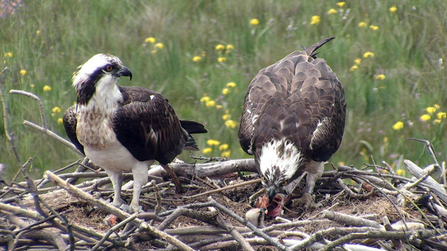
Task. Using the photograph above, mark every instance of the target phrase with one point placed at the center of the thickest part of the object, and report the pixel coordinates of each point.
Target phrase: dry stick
(113, 210)
(236, 235)
(350, 220)
(223, 189)
(426, 174)
(113, 229)
(39, 103)
(351, 193)
(248, 224)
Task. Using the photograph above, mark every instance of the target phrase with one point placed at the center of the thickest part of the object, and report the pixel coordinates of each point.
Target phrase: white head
(97, 79)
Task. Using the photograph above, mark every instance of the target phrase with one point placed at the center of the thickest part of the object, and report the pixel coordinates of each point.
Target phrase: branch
(39, 103)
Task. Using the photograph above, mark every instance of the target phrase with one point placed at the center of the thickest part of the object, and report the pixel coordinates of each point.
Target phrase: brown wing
(70, 123)
(298, 98)
(148, 127)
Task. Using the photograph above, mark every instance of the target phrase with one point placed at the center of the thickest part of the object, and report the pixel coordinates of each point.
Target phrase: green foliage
(49, 39)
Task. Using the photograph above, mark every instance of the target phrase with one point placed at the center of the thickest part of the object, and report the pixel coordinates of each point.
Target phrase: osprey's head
(279, 161)
(99, 74)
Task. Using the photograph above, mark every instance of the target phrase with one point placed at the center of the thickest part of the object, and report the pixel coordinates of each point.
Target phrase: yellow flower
(226, 116)
(197, 58)
(60, 121)
(430, 110)
(254, 21)
(213, 142)
(393, 9)
(353, 68)
(210, 103)
(341, 4)
(205, 99)
(47, 88)
(230, 47)
(441, 115)
(220, 47)
(57, 109)
(315, 20)
(8, 54)
(23, 72)
(150, 40)
(223, 147)
(380, 77)
(159, 45)
(357, 61)
(385, 139)
(374, 27)
(230, 123)
(31, 85)
(231, 84)
(218, 107)
(341, 163)
(362, 24)
(399, 125)
(437, 106)
(332, 11)
(37, 32)
(154, 51)
(400, 172)
(207, 150)
(437, 121)
(425, 117)
(221, 59)
(226, 154)
(225, 91)
(368, 54)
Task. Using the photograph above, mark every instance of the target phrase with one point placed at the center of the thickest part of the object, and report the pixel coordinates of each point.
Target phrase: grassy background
(49, 39)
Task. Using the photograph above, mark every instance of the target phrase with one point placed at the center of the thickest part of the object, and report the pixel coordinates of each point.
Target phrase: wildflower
(341, 163)
(230, 47)
(37, 32)
(332, 11)
(353, 68)
(159, 45)
(362, 24)
(315, 20)
(374, 27)
(441, 115)
(225, 91)
(357, 61)
(230, 123)
(220, 47)
(437, 121)
(23, 72)
(254, 21)
(57, 109)
(213, 142)
(154, 51)
(8, 54)
(437, 106)
(218, 107)
(380, 77)
(47, 88)
(207, 150)
(197, 58)
(226, 154)
(385, 139)
(210, 103)
(60, 121)
(226, 116)
(399, 125)
(393, 9)
(205, 99)
(221, 59)
(31, 85)
(341, 4)
(231, 84)
(400, 172)
(425, 117)
(430, 110)
(368, 54)
(223, 147)
(150, 40)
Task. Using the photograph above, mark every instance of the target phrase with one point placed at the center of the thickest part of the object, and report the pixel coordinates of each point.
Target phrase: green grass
(409, 49)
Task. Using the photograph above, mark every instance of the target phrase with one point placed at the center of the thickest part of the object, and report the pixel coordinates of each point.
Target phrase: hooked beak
(271, 191)
(125, 72)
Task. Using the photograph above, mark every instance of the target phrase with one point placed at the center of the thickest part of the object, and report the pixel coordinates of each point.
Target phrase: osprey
(124, 129)
(293, 121)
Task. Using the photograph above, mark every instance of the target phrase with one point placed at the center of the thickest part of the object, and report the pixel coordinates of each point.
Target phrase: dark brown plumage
(293, 120)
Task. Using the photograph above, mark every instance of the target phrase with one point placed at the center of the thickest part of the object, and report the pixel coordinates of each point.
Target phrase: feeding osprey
(293, 121)
(124, 129)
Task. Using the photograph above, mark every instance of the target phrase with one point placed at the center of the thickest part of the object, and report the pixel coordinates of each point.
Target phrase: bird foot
(306, 201)
(131, 209)
(118, 202)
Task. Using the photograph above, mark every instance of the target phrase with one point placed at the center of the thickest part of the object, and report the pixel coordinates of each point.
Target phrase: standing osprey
(293, 121)
(124, 129)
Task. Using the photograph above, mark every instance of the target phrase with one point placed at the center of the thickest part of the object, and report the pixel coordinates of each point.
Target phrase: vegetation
(202, 55)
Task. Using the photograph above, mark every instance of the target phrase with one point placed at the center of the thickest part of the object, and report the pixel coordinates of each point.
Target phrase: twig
(113, 229)
(349, 219)
(223, 189)
(236, 235)
(39, 103)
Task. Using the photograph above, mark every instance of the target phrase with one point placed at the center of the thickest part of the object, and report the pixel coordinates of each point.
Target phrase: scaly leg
(117, 180)
(314, 171)
(139, 179)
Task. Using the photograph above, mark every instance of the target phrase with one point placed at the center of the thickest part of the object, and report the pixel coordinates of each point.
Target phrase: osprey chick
(293, 121)
(123, 129)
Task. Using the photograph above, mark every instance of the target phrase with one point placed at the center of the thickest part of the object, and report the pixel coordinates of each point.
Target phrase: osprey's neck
(107, 97)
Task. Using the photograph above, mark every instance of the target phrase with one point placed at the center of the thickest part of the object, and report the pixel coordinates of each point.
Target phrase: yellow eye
(109, 68)
(263, 179)
(285, 183)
